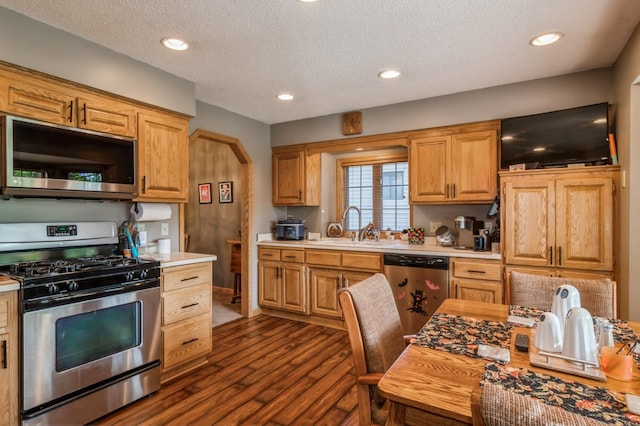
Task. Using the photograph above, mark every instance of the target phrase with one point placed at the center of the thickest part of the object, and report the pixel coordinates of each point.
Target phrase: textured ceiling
(328, 54)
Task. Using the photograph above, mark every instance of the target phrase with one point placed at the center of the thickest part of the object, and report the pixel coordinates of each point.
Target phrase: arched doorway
(244, 197)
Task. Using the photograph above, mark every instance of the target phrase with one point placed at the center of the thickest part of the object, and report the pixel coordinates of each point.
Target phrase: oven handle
(65, 299)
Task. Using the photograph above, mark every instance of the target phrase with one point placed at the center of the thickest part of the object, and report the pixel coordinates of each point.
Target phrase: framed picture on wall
(225, 190)
(204, 193)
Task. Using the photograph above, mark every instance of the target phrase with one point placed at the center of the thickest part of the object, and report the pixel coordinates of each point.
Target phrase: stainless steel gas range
(90, 320)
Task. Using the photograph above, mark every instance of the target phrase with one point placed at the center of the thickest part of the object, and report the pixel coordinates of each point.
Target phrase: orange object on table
(616, 363)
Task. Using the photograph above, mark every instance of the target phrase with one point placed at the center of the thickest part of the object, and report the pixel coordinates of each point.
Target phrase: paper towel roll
(145, 212)
(164, 245)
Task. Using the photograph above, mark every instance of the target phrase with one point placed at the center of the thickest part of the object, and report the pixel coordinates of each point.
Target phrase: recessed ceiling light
(545, 39)
(389, 74)
(285, 97)
(174, 43)
(539, 149)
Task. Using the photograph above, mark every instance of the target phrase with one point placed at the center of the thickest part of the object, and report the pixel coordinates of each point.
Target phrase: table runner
(594, 402)
(462, 335)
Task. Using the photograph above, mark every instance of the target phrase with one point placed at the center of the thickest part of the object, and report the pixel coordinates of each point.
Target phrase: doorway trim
(246, 207)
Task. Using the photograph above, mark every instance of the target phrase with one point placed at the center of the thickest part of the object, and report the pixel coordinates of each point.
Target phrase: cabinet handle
(290, 257)
(4, 354)
(300, 195)
(279, 272)
(455, 293)
(144, 184)
(84, 113)
(190, 278)
(454, 191)
(551, 255)
(70, 119)
(559, 256)
(190, 305)
(474, 271)
(446, 191)
(266, 255)
(189, 341)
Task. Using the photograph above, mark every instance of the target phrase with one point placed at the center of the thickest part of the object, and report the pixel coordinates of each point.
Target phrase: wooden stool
(236, 268)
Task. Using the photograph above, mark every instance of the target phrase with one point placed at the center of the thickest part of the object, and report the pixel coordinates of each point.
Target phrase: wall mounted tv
(557, 139)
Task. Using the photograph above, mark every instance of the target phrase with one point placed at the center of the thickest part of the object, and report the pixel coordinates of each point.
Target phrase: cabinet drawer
(364, 261)
(185, 276)
(186, 339)
(296, 256)
(265, 253)
(182, 304)
(323, 257)
(4, 313)
(484, 270)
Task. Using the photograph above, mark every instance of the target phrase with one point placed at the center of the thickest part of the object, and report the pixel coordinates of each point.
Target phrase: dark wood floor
(262, 371)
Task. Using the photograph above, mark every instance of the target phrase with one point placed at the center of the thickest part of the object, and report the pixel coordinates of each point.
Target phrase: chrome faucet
(360, 228)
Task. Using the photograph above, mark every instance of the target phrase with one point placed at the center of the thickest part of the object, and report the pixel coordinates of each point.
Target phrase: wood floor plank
(261, 371)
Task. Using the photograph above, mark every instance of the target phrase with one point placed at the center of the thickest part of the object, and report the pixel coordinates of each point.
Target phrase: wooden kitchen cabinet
(186, 317)
(282, 283)
(296, 178)
(476, 279)
(330, 271)
(563, 220)
(9, 370)
(163, 158)
(44, 99)
(454, 165)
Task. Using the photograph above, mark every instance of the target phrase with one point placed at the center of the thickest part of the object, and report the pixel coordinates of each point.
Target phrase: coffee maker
(471, 234)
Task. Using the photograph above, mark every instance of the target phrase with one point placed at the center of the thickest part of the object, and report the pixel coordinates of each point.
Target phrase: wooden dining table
(441, 382)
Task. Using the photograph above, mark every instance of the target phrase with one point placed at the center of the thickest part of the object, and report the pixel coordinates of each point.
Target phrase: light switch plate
(164, 230)
(433, 227)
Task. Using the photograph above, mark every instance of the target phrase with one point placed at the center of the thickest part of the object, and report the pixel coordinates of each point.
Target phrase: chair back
(375, 335)
(598, 296)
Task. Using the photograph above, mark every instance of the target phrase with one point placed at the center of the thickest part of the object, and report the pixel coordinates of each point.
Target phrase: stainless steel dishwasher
(419, 284)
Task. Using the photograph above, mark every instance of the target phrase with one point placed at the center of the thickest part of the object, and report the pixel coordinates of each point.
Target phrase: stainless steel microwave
(46, 160)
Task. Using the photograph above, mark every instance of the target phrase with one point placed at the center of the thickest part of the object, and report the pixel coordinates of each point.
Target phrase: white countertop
(383, 246)
(180, 258)
(8, 284)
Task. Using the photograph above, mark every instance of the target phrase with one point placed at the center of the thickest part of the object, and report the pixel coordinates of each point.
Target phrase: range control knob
(53, 289)
(72, 286)
(144, 273)
(128, 276)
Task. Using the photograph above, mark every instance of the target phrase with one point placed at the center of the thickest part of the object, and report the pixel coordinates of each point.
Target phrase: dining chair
(376, 338)
(598, 296)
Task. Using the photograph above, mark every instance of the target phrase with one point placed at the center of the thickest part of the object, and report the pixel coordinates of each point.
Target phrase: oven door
(73, 347)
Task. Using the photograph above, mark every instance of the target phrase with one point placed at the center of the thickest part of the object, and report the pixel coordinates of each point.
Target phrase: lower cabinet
(476, 279)
(325, 285)
(9, 358)
(186, 317)
(281, 280)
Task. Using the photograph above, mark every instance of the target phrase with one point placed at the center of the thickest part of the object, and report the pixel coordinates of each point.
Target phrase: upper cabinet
(454, 165)
(563, 219)
(163, 158)
(296, 178)
(56, 103)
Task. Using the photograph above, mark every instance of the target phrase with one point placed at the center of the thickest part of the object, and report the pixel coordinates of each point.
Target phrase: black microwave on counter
(47, 160)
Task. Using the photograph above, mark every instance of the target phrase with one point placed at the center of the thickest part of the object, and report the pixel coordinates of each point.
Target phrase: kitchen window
(379, 187)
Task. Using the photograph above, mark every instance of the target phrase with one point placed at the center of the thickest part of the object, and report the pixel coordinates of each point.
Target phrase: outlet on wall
(164, 230)
(434, 226)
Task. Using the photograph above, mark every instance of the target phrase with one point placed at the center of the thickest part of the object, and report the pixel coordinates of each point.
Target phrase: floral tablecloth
(462, 335)
(590, 401)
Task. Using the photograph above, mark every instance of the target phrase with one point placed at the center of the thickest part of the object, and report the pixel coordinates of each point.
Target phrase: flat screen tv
(557, 139)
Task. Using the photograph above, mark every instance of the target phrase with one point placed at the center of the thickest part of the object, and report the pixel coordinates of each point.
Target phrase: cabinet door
(106, 116)
(163, 158)
(477, 290)
(429, 169)
(288, 178)
(584, 223)
(324, 292)
(474, 166)
(351, 278)
(269, 287)
(40, 101)
(294, 294)
(9, 369)
(529, 226)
